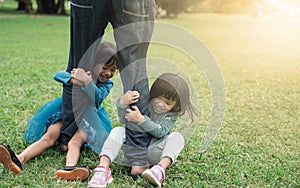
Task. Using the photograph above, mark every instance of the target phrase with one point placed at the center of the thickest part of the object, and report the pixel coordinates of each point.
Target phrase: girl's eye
(170, 103)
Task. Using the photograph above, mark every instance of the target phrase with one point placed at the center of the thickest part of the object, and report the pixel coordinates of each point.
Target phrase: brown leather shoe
(73, 173)
(9, 159)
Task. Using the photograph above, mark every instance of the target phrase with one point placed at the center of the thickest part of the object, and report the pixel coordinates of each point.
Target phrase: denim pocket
(82, 10)
(135, 10)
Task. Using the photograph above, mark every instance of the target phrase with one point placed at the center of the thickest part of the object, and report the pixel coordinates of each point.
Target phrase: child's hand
(76, 82)
(129, 97)
(81, 77)
(134, 115)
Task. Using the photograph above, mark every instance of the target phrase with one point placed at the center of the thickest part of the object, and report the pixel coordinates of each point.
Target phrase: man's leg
(74, 104)
(87, 23)
(132, 36)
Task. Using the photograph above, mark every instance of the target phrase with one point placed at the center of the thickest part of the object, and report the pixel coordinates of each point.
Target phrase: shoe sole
(99, 186)
(76, 174)
(6, 160)
(148, 175)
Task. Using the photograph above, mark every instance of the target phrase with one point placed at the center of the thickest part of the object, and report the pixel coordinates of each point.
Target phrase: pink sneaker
(155, 175)
(101, 178)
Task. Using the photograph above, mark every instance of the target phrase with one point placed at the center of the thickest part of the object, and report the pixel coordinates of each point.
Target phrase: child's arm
(123, 103)
(157, 128)
(66, 78)
(81, 77)
(63, 77)
(96, 92)
(99, 92)
(121, 111)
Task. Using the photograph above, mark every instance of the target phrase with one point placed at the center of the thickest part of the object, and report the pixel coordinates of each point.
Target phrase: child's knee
(118, 132)
(74, 143)
(178, 137)
(49, 138)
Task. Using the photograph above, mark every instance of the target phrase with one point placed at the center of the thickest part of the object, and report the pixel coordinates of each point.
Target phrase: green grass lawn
(258, 145)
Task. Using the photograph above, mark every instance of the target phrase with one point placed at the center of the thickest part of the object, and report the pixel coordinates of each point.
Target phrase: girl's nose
(107, 73)
(159, 104)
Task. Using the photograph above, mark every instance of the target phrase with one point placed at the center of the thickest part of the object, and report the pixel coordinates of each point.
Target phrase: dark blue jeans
(132, 21)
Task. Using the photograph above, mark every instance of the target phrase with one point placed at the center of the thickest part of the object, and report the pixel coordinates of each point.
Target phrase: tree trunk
(21, 5)
(61, 7)
(25, 5)
(28, 6)
(43, 6)
(40, 6)
(47, 7)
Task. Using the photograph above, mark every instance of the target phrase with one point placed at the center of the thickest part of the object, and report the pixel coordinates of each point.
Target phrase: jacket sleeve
(63, 77)
(121, 112)
(160, 129)
(99, 92)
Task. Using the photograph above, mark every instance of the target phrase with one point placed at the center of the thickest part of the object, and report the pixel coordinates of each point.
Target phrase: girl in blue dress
(43, 129)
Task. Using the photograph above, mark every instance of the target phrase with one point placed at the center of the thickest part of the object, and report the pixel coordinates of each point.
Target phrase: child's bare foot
(9, 159)
(139, 169)
(136, 171)
(63, 148)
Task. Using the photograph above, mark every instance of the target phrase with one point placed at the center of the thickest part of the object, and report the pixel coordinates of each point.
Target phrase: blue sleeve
(99, 92)
(63, 77)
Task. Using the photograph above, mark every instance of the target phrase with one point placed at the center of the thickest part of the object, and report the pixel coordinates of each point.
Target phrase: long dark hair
(174, 87)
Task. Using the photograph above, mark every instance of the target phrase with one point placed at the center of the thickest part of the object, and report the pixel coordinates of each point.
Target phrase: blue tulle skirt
(96, 124)
(38, 124)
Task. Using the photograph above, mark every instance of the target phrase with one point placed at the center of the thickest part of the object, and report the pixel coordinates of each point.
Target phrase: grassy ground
(258, 145)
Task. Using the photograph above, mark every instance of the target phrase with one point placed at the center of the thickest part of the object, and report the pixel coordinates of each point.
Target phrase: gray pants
(168, 146)
(132, 22)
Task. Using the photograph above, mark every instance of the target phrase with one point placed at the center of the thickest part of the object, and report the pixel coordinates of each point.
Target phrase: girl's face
(162, 105)
(105, 71)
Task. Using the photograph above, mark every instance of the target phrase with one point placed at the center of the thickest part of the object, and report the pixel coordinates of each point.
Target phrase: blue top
(96, 122)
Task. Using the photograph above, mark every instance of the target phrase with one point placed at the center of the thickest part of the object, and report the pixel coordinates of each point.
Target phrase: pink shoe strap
(161, 169)
(102, 168)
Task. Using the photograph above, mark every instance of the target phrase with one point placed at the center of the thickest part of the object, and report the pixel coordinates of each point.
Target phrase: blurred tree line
(43, 6)
(173, 7)
(165, 8)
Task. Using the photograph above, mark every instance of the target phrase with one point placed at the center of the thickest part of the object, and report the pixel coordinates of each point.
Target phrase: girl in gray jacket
(169, 99)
